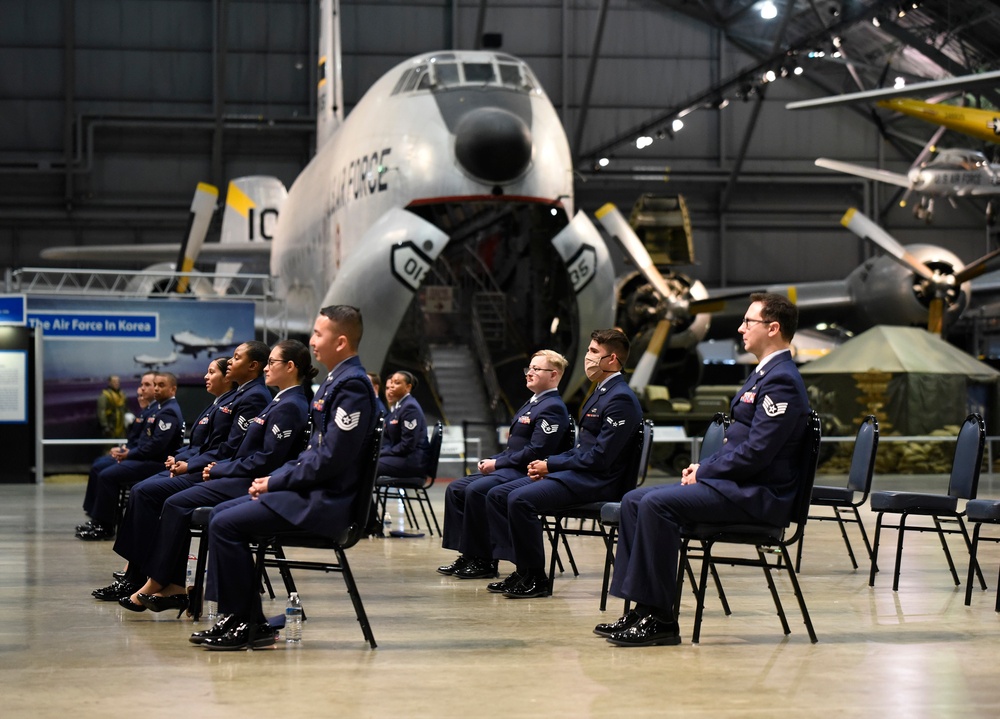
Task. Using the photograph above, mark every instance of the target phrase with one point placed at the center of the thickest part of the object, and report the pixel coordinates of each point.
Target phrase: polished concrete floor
(448, 648)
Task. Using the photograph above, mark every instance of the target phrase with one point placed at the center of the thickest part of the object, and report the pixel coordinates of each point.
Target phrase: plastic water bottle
(210, 607)
(400, 516)
(293, 619)
(192, 563)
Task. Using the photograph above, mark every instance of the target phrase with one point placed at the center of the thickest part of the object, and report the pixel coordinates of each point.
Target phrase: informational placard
(13, 310)
(13, 386)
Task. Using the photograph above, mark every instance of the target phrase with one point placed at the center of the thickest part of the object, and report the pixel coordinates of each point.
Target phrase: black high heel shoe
(127, 603)
(159, 604)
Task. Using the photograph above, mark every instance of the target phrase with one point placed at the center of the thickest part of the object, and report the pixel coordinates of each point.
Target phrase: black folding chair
(413, 489)
(844, 500)
(767, 539)
(980, 512)
(963, 484)
(638, 462)
(360, 512)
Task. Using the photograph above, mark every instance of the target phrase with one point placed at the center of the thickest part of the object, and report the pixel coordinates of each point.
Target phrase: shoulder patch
(243, 422)
(613, 423)
(346, 421)
(411, 424)
(772, 408)
(549, 428)
(279, 433)
(164, 426)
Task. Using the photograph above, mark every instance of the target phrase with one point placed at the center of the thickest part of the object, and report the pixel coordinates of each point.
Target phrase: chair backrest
(863, 459)
(715, 436)
(361, 509)
(808, 459)
(434, 452)
(964, 482)
(638, 461)
(569, 439)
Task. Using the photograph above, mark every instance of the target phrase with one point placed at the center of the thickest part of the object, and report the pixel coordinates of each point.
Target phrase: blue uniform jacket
(608, 423)
(134, 431)
(315, 492)
(273, 437)
(538, 430)
(162, 434)
(235, 416)
(207, 431)
(757, 467)
(406, 433)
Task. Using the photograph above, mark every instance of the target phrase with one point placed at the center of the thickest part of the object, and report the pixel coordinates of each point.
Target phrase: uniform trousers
(168, 558)
(100, 464)
(649, 538)
(515, 510)
(140, 525)
(400, 466)
(111, 480)
(230, 562)
(466, 525)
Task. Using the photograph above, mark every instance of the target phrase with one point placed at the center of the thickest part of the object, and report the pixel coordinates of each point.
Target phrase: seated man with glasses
(753, 478)
(591, 471)
(538, 430)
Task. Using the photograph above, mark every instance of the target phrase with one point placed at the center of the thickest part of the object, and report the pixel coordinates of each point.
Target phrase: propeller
(914, 172)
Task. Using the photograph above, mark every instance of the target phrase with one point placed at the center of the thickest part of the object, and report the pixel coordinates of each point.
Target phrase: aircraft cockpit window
(415, 78)
(479, 73)
(445, 74)
(510, 75)
(402, 81)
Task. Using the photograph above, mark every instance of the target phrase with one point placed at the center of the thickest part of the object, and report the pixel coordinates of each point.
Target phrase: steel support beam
(591, 70)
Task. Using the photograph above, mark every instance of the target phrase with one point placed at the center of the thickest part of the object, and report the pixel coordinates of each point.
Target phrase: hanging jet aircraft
(152, 362)
(952, 173)
(452, 170)
(193, 344)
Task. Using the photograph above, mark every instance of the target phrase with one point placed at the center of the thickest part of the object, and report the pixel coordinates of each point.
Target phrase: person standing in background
(111, 409)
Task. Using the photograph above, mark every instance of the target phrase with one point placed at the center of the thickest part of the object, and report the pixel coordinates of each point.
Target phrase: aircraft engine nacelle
(885, 292)
(640, 308)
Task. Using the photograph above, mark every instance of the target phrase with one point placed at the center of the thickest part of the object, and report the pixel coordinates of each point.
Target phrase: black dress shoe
(88, 525)
(118, 576)
(156, 603)
(477, 569)
(245, 635)
(450, 569)
(97, 533)
(504, 584)
(127, 603)
(647, 632)
(629, 619)
(530, 586)
(221, 627)
(114, 592)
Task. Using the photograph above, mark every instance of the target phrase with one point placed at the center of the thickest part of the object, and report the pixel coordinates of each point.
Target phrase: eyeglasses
(748, 321)
(536, 370)
(276, 361)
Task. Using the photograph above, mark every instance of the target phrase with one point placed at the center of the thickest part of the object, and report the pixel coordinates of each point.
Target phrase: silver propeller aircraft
(452, 170)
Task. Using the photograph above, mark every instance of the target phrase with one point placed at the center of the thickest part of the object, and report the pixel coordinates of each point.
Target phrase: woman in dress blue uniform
(404, 444)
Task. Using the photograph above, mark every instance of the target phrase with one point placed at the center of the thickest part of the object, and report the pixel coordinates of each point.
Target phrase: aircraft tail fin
(202, 209)
(329, 83)
(252, 207)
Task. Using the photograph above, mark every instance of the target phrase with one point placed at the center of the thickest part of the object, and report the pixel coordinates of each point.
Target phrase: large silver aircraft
(452, 170)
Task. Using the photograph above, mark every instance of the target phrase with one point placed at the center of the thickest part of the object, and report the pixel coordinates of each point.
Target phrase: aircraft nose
(493, 144)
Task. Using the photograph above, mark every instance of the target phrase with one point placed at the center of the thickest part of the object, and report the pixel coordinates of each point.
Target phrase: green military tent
(912, 379)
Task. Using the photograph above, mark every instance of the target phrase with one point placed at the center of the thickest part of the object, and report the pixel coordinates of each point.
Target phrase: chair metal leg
(878, 534)
(968, 544)
(682, 565)
(947, 553)
(706, 560)
(609, 559)
(802, 603)
(847, 540)
(901, 529)
(864, 533)
(426, 499)
(766, 566)
(973, 550)
(352, 590)
(718, 588)
(197, 594)
(554, 553)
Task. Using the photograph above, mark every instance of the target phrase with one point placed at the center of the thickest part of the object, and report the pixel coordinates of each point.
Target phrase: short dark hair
(297, 353)
(615, 340)
(348, 319)
(780, 309)
(171, 377)
(408, 377)
(376, 380)
(258, 352)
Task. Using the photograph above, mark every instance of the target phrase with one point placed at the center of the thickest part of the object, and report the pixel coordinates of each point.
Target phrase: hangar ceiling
(113, 109)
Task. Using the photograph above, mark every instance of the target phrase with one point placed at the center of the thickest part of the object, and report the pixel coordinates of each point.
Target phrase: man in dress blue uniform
(228, 425)
(538, 430)
(162, 435)
(752, 478)
(147, 406)
(313, 493)
(590, 472)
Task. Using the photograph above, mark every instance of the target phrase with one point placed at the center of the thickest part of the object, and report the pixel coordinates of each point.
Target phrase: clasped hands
(538, 469)
(689, 474)
(258, 487)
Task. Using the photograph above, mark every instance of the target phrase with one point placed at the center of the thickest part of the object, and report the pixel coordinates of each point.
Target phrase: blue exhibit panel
(96, 325)
(12, 309)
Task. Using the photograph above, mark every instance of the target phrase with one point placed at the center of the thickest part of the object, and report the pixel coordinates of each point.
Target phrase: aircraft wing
(965, 81)
(893, 178)
(163, 252)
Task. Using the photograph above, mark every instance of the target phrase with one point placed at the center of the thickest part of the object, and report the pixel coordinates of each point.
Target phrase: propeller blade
(202, 209)
(618, 227)
(866, 229)
(935, 316)
(647, 363)
(974, 269)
